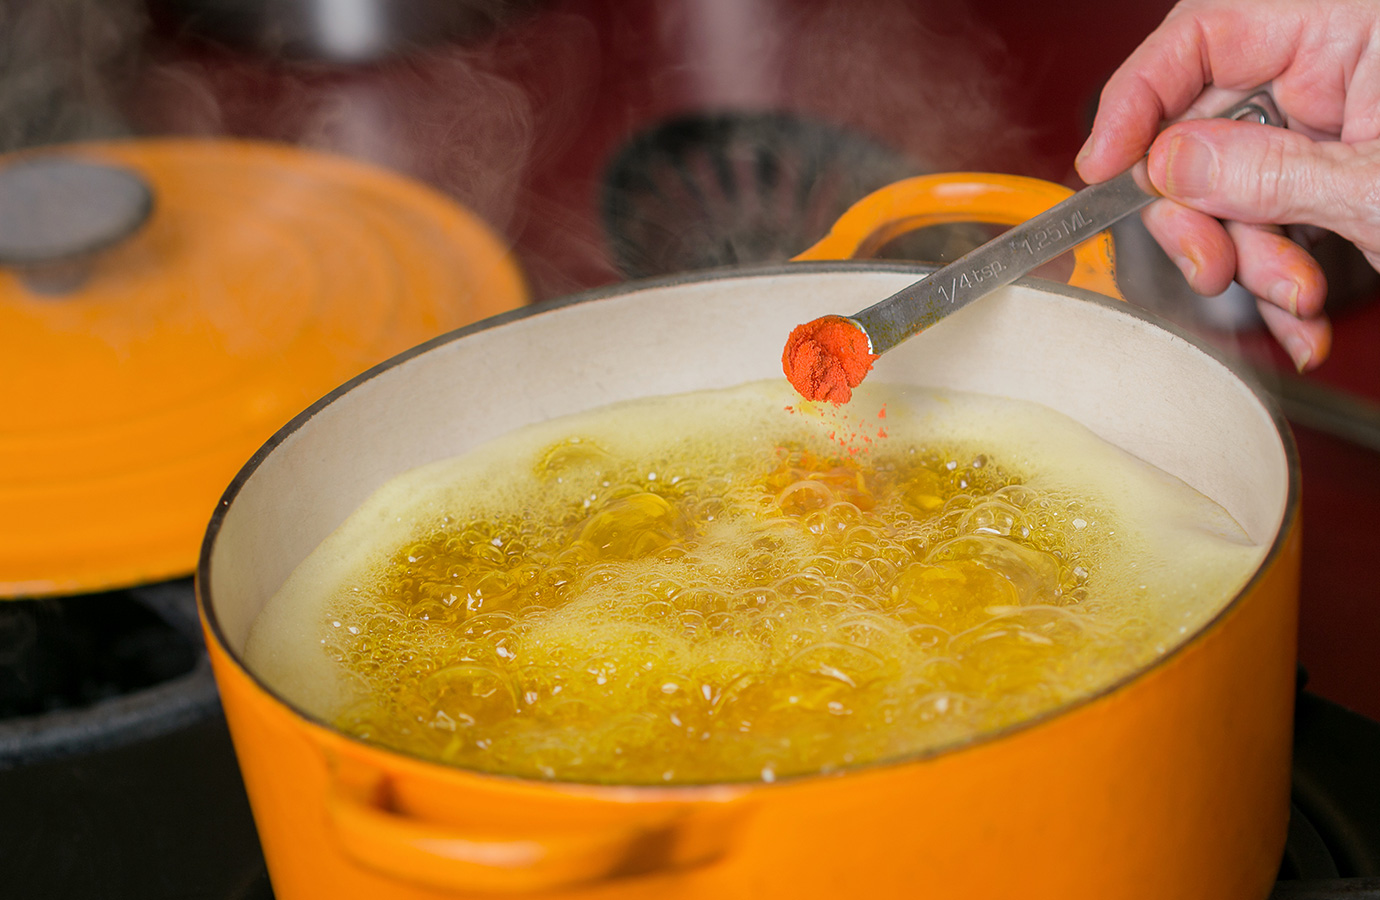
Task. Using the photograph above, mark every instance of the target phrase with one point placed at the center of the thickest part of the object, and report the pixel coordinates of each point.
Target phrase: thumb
(1254, 173)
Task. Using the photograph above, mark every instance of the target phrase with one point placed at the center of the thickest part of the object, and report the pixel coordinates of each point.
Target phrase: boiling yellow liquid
(709, 588)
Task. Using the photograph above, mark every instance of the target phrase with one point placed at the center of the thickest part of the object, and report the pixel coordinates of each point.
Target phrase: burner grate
(81, 674)
(735, 188)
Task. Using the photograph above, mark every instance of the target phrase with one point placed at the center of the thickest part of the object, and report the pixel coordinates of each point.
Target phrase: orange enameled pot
(1173, 782)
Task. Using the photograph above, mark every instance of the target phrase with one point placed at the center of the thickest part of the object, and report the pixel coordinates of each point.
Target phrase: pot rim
(687, 790)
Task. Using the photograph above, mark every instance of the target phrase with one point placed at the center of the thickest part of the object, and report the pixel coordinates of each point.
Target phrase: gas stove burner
(1337, 790)
(1306, 854)
(117, 775)
(747, 187)
(1333, 849)
(85, 674)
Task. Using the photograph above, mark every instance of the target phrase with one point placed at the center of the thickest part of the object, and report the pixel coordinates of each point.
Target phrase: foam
(1170, 560)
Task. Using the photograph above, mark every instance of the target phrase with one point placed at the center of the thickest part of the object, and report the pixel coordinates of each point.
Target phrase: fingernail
(1188, 266)
(1190, 167)
(1084, 153)
(1299, 351)
(1285, 294)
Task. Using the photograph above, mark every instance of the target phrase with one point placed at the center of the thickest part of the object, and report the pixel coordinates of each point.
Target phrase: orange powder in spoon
(827, 358)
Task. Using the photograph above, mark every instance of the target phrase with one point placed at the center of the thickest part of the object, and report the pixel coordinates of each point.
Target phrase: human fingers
(1158, 82)
(1211, 254)
(1316, 53)
(1197, 243)
(1253, 173)
(1307, 341)
(1277, 270)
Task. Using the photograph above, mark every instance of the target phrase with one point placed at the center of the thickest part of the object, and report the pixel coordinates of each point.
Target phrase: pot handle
(456, 858)
(925, 200)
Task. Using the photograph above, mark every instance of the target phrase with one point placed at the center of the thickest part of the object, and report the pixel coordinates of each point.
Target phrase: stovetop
(156, 808)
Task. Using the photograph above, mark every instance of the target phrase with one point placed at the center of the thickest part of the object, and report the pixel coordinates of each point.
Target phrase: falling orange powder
(827, 358)
(852, 435)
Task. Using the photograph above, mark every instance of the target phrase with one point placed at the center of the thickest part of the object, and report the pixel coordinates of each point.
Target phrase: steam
(444, 118)
(63, 64)
(936, 91)
(797, 112)
(518, 126)
(734, 46)
(472, 120)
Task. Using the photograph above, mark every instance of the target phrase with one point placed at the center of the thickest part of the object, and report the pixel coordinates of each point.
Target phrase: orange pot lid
(264, 276)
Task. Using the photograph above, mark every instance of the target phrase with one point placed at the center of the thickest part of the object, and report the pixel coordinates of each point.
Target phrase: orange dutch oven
(1172, 782)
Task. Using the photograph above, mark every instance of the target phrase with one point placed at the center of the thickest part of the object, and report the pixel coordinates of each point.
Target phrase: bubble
(1033, 575)
(469, 694)
(691, 622)
(993, 517)
(800, 584)
(720, 609)
(927, 636)
(633, 526)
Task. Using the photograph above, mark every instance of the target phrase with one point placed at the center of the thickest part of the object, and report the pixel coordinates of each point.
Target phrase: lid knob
(58, 212)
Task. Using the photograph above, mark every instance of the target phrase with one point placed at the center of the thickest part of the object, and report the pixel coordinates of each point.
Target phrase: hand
(1323, 67)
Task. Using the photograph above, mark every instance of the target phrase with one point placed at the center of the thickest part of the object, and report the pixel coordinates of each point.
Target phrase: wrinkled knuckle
(1347, 196)
(1359, 196)
(1280, 177)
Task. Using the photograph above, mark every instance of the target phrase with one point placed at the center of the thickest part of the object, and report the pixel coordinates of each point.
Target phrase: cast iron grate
(736, 188)
(79, 674)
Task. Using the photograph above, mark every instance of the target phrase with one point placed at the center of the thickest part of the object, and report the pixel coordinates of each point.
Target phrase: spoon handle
(1027, 246)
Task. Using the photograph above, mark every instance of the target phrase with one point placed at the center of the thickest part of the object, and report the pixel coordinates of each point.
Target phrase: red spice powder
(827, 358)
(851, 435)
